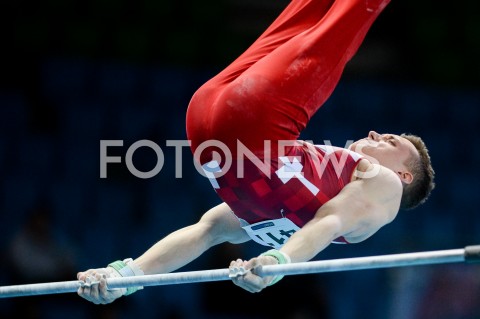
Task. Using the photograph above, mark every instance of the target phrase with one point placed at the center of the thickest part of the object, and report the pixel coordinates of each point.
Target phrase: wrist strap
(127, 268)
(281, 258)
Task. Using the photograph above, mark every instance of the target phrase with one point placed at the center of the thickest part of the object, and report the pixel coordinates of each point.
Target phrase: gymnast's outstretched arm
(218, 225)
(356, 213)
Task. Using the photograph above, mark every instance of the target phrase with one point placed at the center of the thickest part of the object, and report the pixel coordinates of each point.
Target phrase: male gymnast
(289, 195)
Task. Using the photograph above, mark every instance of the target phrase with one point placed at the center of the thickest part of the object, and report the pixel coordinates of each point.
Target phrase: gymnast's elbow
(333, 226)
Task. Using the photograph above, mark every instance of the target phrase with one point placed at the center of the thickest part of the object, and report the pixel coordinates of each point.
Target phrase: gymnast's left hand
(250, 281)
(98, 293)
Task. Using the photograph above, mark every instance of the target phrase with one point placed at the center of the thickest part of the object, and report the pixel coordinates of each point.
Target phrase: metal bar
(39, 289)
(359, 263)
(470, 253)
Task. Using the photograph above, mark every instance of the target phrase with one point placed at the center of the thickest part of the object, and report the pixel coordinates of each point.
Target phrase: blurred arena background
(77, 72)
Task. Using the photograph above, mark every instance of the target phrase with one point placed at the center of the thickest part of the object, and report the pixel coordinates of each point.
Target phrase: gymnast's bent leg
(271, 91)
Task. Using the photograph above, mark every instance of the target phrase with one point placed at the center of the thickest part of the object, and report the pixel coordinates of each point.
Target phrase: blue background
(74, 73)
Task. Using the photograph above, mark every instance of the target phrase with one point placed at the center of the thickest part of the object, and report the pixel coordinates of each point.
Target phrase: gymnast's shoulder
(379, 184)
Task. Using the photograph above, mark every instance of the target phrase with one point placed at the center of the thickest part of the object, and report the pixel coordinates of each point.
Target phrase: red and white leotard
(269, 94)
(288, 191)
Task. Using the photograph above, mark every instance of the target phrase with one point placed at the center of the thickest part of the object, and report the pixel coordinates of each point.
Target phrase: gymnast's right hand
(96, 289)
(98, 292)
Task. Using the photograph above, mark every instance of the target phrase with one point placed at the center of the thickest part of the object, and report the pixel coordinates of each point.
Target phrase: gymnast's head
(406, 155)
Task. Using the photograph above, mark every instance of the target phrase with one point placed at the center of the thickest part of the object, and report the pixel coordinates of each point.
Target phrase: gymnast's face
(389, 150)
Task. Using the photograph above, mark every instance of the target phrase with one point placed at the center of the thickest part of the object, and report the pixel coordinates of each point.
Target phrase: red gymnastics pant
(272, 90)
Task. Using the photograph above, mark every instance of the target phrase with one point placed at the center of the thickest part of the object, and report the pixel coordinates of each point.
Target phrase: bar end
(472, 254)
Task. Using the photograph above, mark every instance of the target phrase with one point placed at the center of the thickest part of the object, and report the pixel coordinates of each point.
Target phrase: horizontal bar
(361, 263)
(39, 289)
(470, 253)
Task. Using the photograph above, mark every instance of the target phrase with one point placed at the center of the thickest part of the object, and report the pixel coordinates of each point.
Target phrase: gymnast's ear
(406, 177)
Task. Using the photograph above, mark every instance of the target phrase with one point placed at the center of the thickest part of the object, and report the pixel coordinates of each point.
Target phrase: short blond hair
(417, 192)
